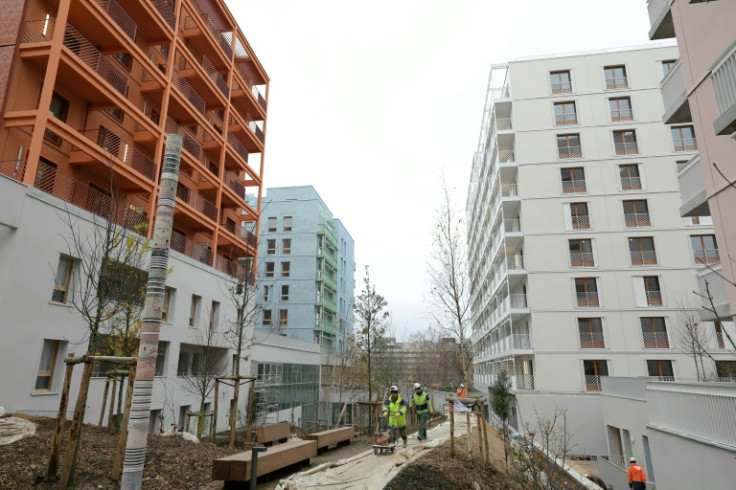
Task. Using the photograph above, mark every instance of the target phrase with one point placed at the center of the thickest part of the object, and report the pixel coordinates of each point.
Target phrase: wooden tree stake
(117, 466)
(234, 413)
(67, 471)
(213, 427)
(452, 432)
(60, 422)
(251, 411)
(110, 425)
(104, 402)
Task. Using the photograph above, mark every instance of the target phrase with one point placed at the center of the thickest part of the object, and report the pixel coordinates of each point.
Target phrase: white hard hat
(462, 385)
(393, 388)
(632, 460)
(417, 386)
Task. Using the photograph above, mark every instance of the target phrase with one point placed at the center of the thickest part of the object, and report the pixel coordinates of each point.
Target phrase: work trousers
(422, 419)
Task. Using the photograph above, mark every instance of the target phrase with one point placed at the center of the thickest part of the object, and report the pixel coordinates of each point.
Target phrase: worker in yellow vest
(395, 409)
(423, 406)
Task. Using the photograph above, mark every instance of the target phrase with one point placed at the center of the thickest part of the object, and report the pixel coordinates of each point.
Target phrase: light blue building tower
(306, 269)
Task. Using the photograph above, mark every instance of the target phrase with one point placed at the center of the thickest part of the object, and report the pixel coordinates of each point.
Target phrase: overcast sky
(371, 101)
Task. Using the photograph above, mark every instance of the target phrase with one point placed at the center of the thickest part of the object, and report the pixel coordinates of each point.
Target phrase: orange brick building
(90, 88)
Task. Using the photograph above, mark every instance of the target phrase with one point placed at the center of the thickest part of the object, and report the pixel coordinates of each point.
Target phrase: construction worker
(461, 392)
(635, 473)
(395, 409)
(423, 406)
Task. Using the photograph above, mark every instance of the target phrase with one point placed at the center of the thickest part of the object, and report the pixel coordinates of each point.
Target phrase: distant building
(306, 269)
(580, 263)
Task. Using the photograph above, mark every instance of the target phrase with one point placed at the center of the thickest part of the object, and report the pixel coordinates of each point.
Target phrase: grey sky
(371, 101)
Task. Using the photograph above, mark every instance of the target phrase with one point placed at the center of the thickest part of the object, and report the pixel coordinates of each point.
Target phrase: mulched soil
(171, 462)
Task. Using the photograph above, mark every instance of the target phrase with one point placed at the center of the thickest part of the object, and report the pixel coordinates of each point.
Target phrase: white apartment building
(581, 264)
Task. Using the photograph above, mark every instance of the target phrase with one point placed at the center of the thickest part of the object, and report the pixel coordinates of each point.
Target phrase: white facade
(31, 241)
(580, 262)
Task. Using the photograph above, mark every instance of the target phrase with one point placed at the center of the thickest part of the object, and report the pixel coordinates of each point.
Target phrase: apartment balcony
(630, 148)
(509, 190)
(582, 259)
(592, 340)
(518, 301)
(119, 150)
(189, 141)
(506, 156)
(566, 119)
(205, 37)
(50, 180)
(711, 284)
(247, 130)
(724, 89)
(572, 151)
(574, 186)
(630, 183)
(512, 225)
(194, 201)
(237, 147)
(522, 382)
(656, 340)
(330, 259)
(685, 144)
(204, 78)
(188, 93)
(199, 251)
(593, 382)
(227, 265)
(654, 297)
(635, 220)
(327, 279)
(323, 301)
(515, 263)
(580, 222)
(674, 95)
(621, 115)
(246, 97)
(706, 256)
(588, 299)
(692, 189)
(660, 19)
(643, 257)
(325, 326)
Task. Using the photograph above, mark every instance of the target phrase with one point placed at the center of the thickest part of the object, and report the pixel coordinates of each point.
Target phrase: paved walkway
(368, 471)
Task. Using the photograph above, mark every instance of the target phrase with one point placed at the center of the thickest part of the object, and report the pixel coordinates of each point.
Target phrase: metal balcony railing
(613, 83)
(506, 156)
(512, 225)
(233, 181)
(573, 186)
(228, 266)
(119, 16)
(592, 340)
(122, 151)
(654, 298)
(196, 201)
(166, 9)
(592, 383)
(724, 85)
(685, 144)
(509, 190)
(631, 148)
(259, 97)
(643, 257)
(572, 151)
(189, 141)
(566, 119)
(188, 92)
(522, 382)
(630, 183)
(515, 262)
(92, 57)
(197, 250)
(254, 128)
(582, 259)
(562, 88)
(655, 340)
(518, 300)
(622, 115)
(588, 298)
(237, 146)
(52, 181)
(39, 30)
(706, 256)
(15, 169)
(216, 76)
(580, 222)
(634, 220)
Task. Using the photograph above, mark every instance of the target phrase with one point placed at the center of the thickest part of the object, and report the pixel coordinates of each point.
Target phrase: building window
(624, 142)
(594, 369)
(661, 369)
(46, 366)
(630, 177)
(683, 137)
(272, 223)
(285, 267)
(568, 146)
(287, 223)
(269, 269)
(591, 333)
(586, 290)
(167, 305)
(573, 180)
(653, 291)
(284, 292)
(271, 246)
(667, 66)
(161, 359)
(560, 82)
(283, 317)
(286, 246)
(581, 253)
(705, 249)
(718, 327)
(641, 250)
(63, 277)
(265, 292)
(579, 217)
(267, 317)
(654, 333)
(726, 369)
(620, 109)
(214, 315)
(565, 113)
(636, 213)
(194, 310)
(615, 77)
(59, 108)
(45, 176)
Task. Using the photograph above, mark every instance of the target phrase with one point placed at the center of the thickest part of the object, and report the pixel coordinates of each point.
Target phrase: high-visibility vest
(391, 408)
(636, 473)
(421, 402)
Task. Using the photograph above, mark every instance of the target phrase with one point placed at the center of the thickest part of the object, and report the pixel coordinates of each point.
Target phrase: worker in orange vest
(637, 479)
(461, 392)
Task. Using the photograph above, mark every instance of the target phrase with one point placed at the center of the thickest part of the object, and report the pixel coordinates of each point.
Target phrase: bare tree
(449, 284)
(372, 321)
(693, 338)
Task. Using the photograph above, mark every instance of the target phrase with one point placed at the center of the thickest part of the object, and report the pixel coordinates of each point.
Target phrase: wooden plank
(332, 436)
(273, 432)
(237, 467)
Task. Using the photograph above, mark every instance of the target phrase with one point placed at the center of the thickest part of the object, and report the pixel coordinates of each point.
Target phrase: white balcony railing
(518, 300)
(691, 180)
(522, 341)
(673, 87)
(588, 298)
(592, 340)
(506, 156)
(592, 383)
(509, 190)
(630, 183)
(707, 256)
(654, 297)
(634, 220)
(512, 225)
(724, 86)
(522, 382)
(582, 259)
(629, 148)
(643, 257)
(573, 186)
(504, 123)
(656, 340)
(716, 287)
(580, 221)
